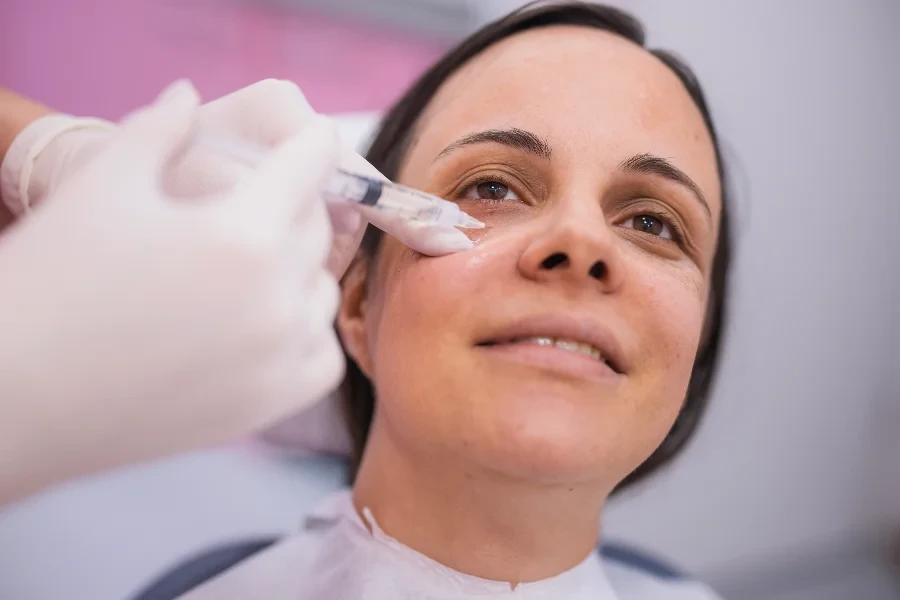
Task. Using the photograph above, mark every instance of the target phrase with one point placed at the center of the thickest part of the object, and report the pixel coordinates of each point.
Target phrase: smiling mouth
(574, 347)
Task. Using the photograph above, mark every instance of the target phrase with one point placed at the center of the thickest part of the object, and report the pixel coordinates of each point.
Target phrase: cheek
(416, 288)
(420, 291)
(674, 309)
(667, 311)
(421, 318)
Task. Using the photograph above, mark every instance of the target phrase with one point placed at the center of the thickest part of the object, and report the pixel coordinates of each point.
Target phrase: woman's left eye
(490, 190)
(651, 225)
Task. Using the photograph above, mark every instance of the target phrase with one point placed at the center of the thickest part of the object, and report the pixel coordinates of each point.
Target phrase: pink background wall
(106, 57)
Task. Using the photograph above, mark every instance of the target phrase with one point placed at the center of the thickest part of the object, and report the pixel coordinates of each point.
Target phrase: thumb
(151, 136)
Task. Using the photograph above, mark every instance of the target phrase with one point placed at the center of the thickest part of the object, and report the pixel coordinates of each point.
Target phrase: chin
(550, 440)
(545, 461)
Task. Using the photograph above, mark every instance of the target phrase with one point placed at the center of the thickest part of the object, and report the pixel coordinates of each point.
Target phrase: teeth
(567, 345)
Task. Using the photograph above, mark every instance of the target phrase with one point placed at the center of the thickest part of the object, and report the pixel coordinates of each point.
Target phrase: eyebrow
(514, 138)
(649, 164)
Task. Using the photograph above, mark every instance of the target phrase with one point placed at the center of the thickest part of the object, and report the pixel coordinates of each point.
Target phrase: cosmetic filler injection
(343, 186)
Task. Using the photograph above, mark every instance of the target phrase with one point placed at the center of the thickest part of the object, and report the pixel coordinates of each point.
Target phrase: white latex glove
(52, 149)
(134, 325)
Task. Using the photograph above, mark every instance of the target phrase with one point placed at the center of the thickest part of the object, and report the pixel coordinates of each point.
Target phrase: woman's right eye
(491, 191)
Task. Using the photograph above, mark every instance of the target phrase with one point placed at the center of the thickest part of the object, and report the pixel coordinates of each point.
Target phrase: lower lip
(551, 358)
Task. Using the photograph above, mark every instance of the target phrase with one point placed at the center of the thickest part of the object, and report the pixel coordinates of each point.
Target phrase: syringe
(343, 186)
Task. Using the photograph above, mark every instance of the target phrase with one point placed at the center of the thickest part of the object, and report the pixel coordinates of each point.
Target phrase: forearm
(16, 113)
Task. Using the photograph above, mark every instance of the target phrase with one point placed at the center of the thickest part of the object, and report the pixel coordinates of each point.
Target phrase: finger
(268, 112)
(343, 249)
(438, 241)
(353, 162)
(151, 136)
(284, 190)
(344, 218)
(435, 241)
(347, 234)
(431, 240)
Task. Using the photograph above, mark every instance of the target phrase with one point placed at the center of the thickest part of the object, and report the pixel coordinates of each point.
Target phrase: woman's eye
(490, 190)
(651, 225)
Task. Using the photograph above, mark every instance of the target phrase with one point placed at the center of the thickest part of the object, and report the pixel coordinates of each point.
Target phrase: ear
(352, 314)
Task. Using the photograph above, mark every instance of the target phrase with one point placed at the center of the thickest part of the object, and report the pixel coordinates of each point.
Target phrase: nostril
(554, 260)
(598, 270)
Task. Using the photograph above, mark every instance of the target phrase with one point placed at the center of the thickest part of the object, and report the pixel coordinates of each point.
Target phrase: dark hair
(388, 150)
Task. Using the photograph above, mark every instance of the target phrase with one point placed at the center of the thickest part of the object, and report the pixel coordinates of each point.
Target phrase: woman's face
(559, 348)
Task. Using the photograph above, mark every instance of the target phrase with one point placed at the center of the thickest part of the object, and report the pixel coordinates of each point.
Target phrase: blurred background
(792, 489)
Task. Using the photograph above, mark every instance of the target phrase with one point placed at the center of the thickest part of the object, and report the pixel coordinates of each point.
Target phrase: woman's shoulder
(637, 576)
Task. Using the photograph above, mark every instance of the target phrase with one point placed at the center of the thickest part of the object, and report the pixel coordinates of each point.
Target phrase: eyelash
(490, 178)
(678, 233)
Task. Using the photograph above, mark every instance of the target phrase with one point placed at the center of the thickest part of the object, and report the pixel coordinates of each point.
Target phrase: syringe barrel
(346, 187)
(399, 200)
(343, 186)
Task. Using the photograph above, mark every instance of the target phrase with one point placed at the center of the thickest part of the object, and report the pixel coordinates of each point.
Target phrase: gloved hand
(136, 325)
(52, 149)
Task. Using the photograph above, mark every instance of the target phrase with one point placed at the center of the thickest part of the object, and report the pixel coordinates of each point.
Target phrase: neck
(474, 521)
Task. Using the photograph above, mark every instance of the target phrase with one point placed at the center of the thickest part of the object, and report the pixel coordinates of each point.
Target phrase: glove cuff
(18, 164)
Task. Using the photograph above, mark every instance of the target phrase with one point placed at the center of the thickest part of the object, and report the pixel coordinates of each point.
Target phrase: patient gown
(335, 556)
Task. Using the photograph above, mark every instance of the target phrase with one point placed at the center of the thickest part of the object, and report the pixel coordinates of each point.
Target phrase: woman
(498, 396)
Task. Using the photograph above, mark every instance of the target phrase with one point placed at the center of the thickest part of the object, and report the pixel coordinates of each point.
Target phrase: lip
(578, 328)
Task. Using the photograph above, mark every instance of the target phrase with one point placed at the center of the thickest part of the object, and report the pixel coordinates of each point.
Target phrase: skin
(489, 464)
(16, 113)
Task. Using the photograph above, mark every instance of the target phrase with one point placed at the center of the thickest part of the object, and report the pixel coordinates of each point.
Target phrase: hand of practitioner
(54, 147)
(138, 323)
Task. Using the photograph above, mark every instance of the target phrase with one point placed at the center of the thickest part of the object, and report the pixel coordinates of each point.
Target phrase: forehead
(596, 97)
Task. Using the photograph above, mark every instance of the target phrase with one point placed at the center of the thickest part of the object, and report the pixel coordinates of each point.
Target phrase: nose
(579, 251)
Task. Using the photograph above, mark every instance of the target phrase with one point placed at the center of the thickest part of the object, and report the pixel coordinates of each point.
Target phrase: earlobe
(351, 317)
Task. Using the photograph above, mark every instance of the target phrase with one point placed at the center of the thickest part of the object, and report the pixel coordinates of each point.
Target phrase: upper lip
(564, 326)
